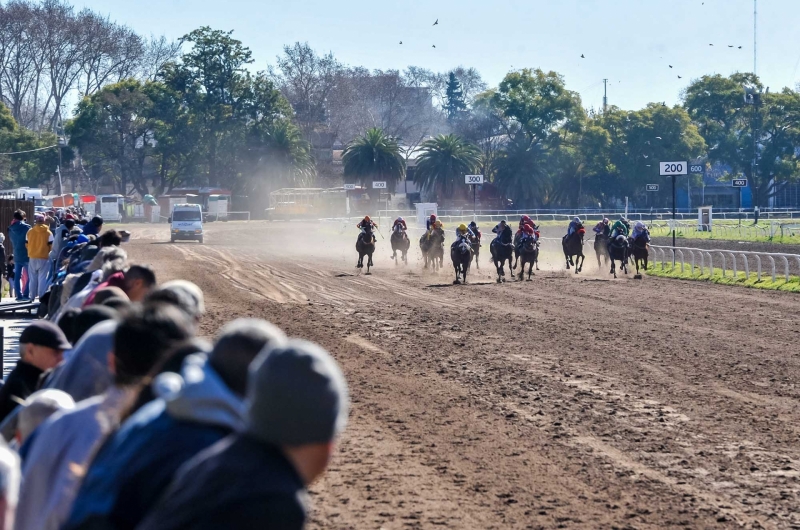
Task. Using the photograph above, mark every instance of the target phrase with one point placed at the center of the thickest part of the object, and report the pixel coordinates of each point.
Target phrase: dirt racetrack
(564, 402)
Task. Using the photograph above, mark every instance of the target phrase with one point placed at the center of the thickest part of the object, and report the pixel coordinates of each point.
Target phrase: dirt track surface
(564, 402)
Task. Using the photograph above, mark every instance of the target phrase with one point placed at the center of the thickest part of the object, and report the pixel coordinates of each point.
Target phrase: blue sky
(630, 42)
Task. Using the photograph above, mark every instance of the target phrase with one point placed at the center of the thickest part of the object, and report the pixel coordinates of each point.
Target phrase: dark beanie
(297, 395)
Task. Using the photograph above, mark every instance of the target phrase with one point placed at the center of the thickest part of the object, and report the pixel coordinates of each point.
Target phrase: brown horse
(461, 254)
(365, 246)
(529, 252)
(432, 246)
(400, 243)
(573, 247)
(640, 251)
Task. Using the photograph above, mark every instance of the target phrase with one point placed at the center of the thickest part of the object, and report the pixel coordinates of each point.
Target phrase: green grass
(780, 283)
(730, 231)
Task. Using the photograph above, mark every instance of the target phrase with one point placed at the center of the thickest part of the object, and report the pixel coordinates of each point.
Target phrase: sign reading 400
(673, 168)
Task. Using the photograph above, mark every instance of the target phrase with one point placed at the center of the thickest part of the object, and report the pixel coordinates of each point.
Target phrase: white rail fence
(726, 260)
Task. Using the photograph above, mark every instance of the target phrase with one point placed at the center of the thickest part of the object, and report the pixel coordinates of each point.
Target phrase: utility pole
(755, 35)
(605, 95)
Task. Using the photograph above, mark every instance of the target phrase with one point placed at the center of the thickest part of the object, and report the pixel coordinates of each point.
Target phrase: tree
(738, 134)
(35, 155)
(443, 163)
(374, 156)
(282, 158)
(114, 130)
(454, 105)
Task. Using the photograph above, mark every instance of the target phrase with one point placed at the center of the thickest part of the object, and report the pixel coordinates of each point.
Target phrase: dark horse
(573, 247)
(640, 250)
(500, 254)
(365, 245)
(619, 250)
(475, 241)
(400, 242)
(601, 248)
(530, 256)
(461, 254)
(433, 248)
(518, 249)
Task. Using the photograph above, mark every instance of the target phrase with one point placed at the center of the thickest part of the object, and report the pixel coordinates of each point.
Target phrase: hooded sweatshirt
(84, 372)
(135, 467)
(18, 232)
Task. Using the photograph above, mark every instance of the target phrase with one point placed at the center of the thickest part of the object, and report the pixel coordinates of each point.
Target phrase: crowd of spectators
(119, 416)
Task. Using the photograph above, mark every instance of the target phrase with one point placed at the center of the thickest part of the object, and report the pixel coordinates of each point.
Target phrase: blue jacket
(134, 467)
(91, 229)
(18, 233)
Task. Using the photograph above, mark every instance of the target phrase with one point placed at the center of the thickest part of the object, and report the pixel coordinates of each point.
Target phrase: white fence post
(772, 262)
(722, 255)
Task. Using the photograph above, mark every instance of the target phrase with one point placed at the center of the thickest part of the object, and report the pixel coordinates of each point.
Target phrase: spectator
(18, 232)
(137, 464)
(9, 487)
(67, 323)
(89, 318)
(41, 346)
(183, 294)
(93, 227)
(103, 294)
(110, 238)
(121, 305)
(37, 408)
(52, 478)
(40, 242)
(10, 275)
(3, 258)
(260, 475)
(136, 283)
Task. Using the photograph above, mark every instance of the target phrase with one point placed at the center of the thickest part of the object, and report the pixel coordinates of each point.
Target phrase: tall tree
(374, 156)
(114, 130)
(454, 103)
(444, 161)
(758, 140)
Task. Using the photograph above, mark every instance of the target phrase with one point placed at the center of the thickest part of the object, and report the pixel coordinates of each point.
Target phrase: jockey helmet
(503, 222)
(400, 220)
(525, 218)
(462, 228)
(528, 229)
(605, 220)
(437, 224)
(622, 218)
(473, 223)
(367, 219)
(577, 220)
(433, 217)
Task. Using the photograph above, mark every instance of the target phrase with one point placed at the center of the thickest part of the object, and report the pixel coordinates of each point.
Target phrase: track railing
(671, 255)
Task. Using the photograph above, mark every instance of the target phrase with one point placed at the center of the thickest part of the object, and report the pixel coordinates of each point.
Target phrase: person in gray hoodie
(194, 411)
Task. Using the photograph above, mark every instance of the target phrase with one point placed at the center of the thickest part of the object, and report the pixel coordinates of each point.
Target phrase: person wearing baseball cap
(297, 406)
(41, 347)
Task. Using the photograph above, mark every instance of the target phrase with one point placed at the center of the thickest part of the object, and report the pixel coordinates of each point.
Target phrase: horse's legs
(580, 259)
(567, 258)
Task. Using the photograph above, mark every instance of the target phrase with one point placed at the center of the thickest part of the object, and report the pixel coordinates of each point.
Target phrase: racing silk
(503, 234)
(619, 228)
(399, 225)
(468, 234)
(363, 224)
(573, 227)
(602, 228)
(476, 231)
(639, 230)
(429, 224)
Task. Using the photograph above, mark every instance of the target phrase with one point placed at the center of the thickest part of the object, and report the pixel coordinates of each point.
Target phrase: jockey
(620, 228)
(574, 226)
(436, 225)
(463, 234)
(603, 228)
(528, 232)
(430, 222)
(639, 230)
(367, 222)
(503, 232)
(473, 227)
(400, 226)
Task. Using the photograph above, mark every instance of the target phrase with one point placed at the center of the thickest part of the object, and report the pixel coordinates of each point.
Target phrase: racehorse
(433, 248)
(619, 250)
(476, 249)
(461, 254)
(518, 249)
(573, 247)
(640, 250)
(400, 242)
(500, 254)
(601, 248)
(530, 256)
(365, 245)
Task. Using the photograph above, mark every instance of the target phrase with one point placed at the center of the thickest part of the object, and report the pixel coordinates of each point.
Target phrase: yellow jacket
(39, 240)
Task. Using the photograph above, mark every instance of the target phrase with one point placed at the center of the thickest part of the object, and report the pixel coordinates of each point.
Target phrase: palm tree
(288, 156)
(522, 174)
(374, 156)
(444, 162)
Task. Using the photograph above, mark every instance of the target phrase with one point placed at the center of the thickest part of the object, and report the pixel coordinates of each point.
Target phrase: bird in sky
(679, 77)
(658, 137)
(436, 23)
(740, 47)
(401, 42)
(730, 45)
(583, 56)
(434, 45)
(645, 156)
(670, 66)
(710, 44)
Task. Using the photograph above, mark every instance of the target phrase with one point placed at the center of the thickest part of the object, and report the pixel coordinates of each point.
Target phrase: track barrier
(727, 261)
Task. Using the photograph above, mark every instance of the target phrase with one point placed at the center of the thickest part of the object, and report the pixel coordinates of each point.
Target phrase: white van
(186, 222)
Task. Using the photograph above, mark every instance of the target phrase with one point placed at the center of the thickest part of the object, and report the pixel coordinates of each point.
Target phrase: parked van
(186, 223)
